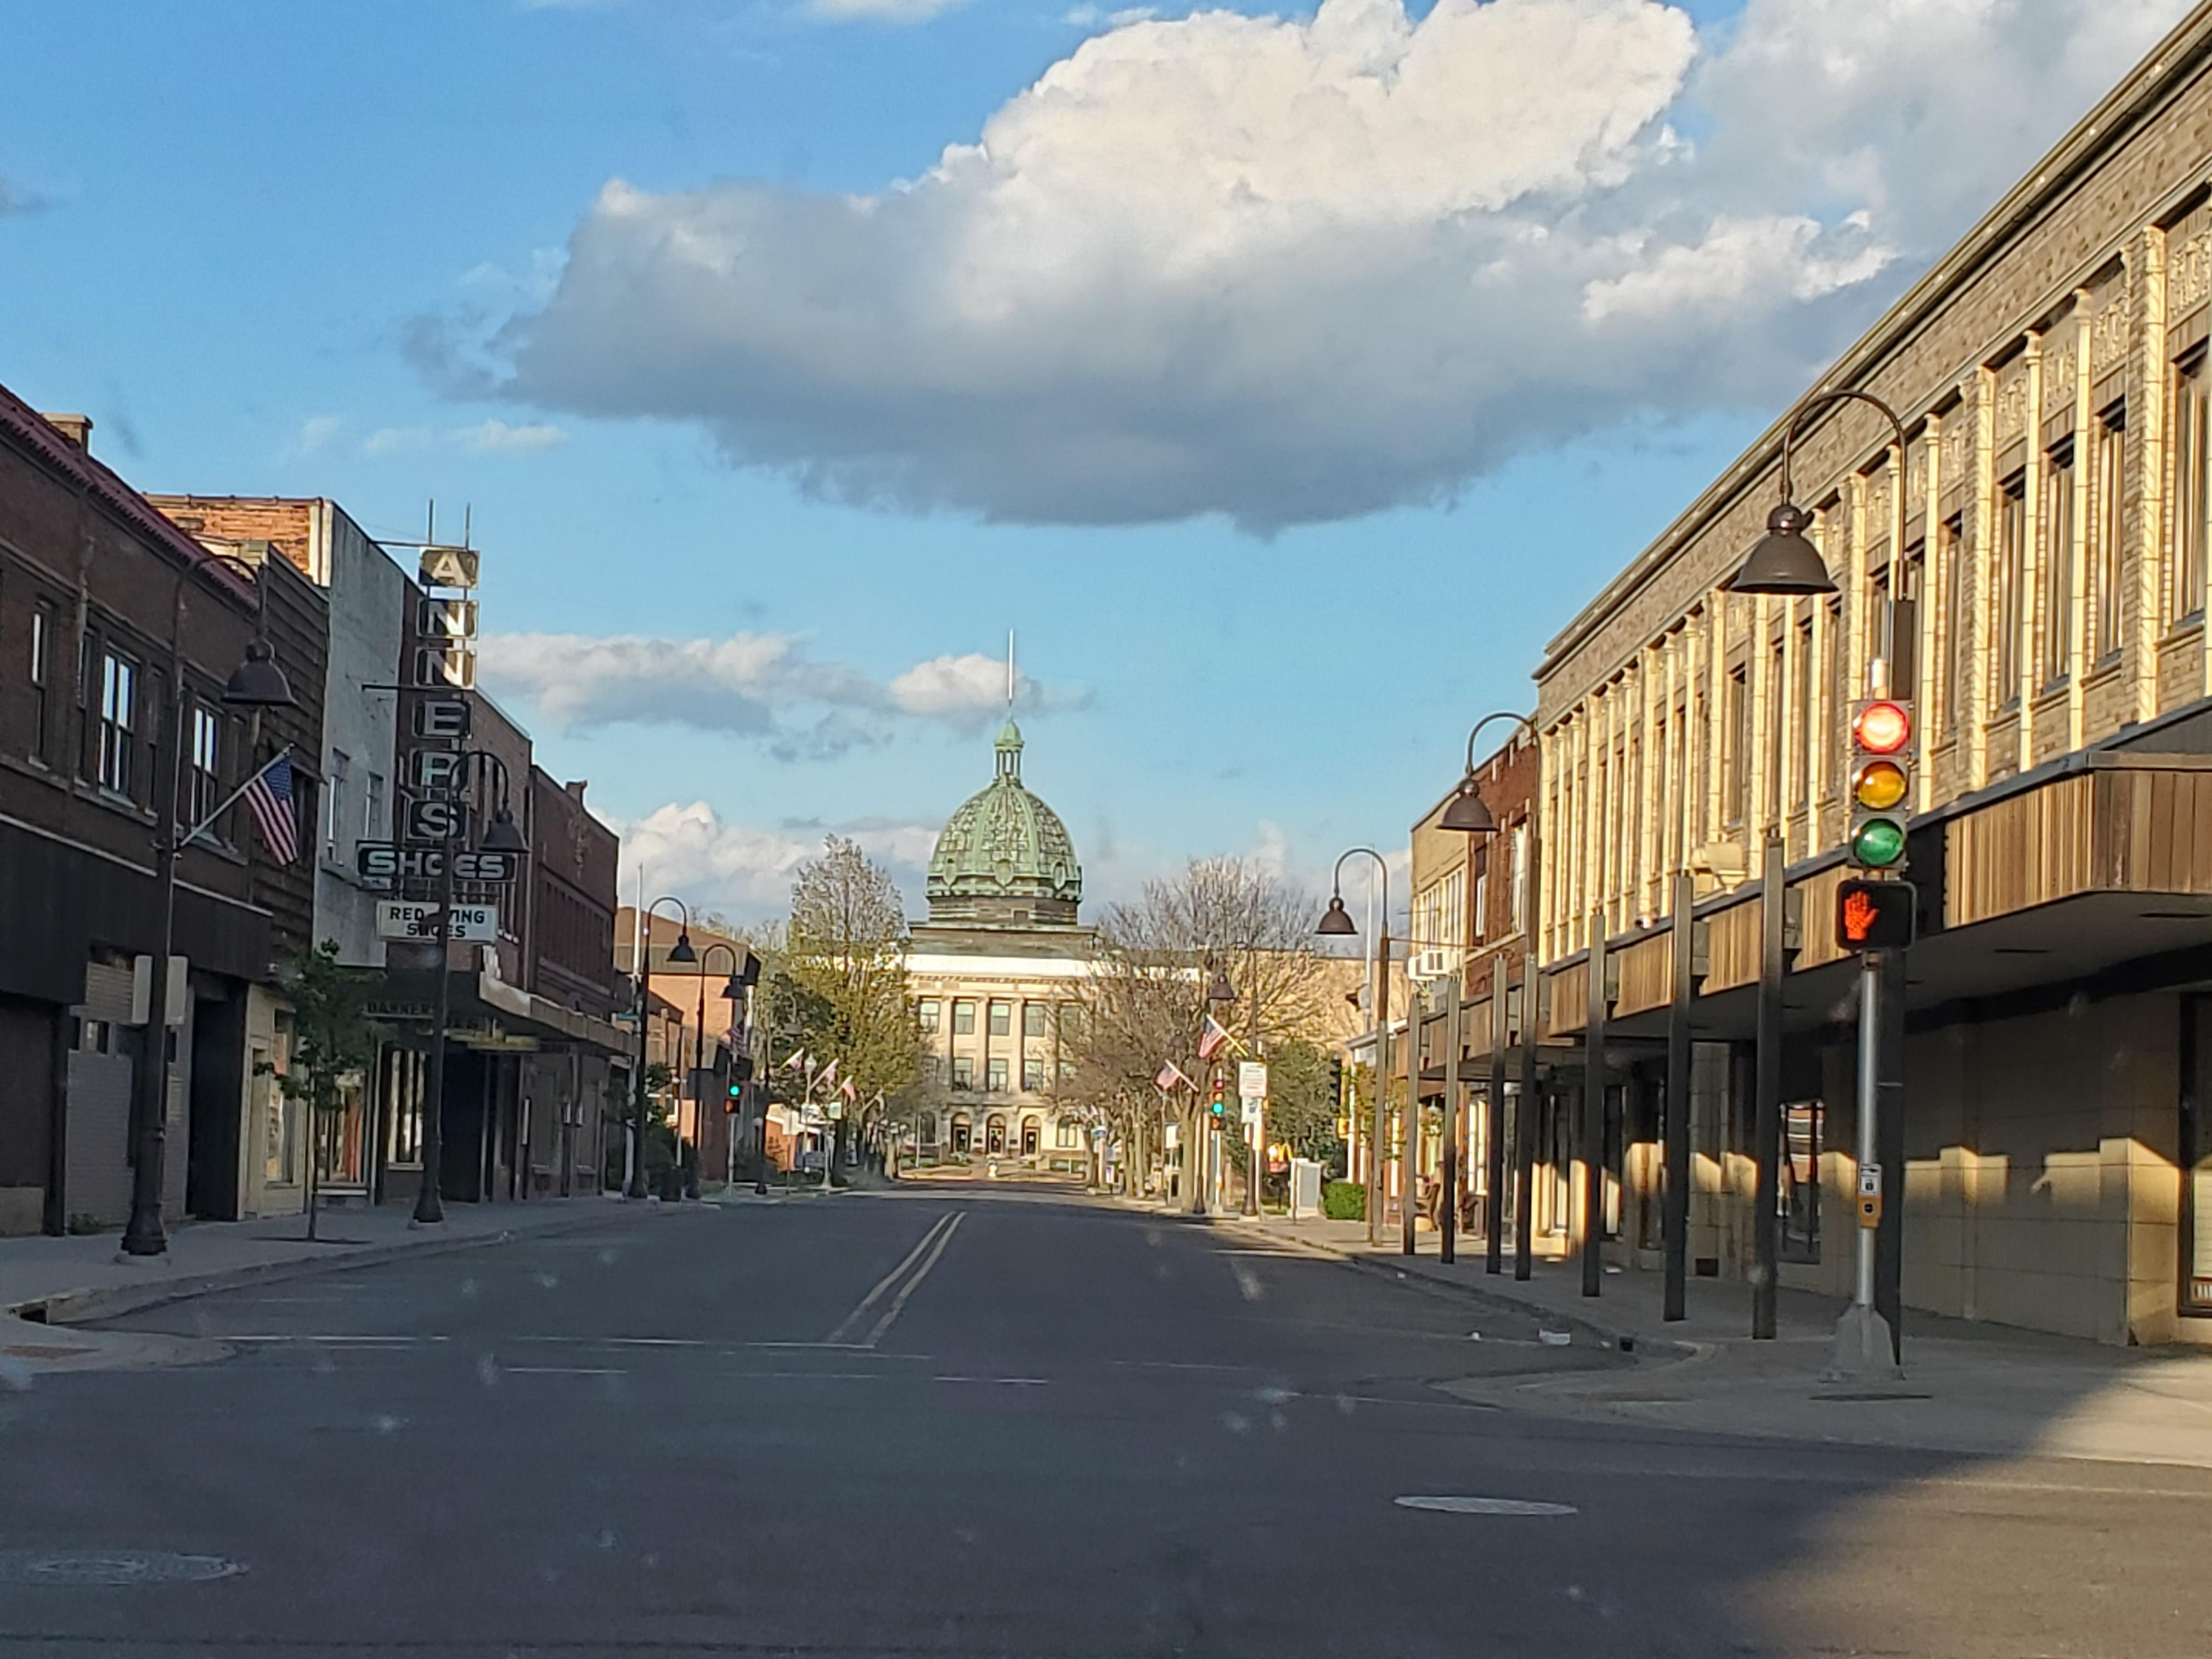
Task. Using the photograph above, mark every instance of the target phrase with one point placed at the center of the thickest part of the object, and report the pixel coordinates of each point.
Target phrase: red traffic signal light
(1875, 916)
(1881, 726)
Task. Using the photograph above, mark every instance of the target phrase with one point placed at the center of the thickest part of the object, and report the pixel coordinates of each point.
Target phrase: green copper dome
(1004, 856)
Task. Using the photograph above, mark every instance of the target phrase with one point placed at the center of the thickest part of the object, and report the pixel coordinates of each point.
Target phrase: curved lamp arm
(1522, 721)
(1336, 878)
(1820, 400)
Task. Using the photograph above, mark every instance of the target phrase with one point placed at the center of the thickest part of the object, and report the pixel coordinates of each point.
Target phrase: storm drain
(104, 1568)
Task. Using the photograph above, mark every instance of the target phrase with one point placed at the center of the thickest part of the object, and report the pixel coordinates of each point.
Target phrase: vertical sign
(441, 666)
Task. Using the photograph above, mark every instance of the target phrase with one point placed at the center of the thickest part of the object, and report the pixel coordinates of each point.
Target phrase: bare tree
(1146, 1002)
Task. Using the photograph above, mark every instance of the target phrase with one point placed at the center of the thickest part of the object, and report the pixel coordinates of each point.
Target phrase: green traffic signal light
(1878, 843)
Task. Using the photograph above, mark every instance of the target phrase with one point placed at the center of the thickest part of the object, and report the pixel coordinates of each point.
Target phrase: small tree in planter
(333, 1039)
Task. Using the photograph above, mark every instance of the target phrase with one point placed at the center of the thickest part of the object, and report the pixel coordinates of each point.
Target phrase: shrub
(1344, 1201)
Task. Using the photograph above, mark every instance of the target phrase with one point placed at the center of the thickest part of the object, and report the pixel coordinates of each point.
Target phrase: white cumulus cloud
(746, 870)
(1294, 269)
(756, 685)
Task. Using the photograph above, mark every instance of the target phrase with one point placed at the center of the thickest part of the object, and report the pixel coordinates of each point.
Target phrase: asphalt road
(952, 1422)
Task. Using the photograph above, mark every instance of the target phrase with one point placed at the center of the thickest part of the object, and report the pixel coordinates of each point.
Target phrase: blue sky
(331, 250)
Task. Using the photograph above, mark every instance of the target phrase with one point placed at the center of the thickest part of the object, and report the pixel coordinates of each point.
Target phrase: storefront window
(404, 1072)
(1798, 1195)
(2196, 1155)
(341, 1148)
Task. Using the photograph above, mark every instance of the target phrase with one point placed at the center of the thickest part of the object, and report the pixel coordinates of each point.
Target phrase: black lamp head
(258, 682)
(682, 951)
(1336, 920)
(1784, 562)
(1221, 990)
(1467, 812)
(504, 836)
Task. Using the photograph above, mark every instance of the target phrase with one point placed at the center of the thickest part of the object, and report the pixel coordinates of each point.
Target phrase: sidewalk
(45, 1283)
(1968, 1386)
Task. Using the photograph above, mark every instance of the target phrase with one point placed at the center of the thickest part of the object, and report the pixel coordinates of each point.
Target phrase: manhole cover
(105, 1567)
(1483, 1505)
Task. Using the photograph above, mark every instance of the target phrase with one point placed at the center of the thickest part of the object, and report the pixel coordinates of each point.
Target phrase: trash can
(672, 1184)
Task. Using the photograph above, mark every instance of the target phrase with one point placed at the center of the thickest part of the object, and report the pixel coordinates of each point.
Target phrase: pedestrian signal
(1875, 916)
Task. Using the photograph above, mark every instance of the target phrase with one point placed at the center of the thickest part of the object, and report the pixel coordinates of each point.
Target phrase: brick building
(2048, 586)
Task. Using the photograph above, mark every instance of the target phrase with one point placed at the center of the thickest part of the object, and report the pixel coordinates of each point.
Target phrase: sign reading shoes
(381, 860)
(410, 919)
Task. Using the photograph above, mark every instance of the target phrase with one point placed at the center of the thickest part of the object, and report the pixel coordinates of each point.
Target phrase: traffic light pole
(1865, 1350)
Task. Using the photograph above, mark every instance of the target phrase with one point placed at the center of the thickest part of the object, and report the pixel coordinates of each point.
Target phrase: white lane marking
(1483, 1506)
(899, 1302)
(836, 1338)
(563, 1371)
(353, 1341)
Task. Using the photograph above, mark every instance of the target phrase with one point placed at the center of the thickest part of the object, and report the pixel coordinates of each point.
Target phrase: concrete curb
(1659, 1351)
(112, 1301)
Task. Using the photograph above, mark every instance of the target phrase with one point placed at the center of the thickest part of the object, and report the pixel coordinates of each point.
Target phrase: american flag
(797, 1062)
(269, 797)
(1211, 1039)
(1169, 1076)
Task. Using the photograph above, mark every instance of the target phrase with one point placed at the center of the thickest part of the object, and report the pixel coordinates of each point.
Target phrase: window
(1520, 897)
(404, 1072)
(926, 1011)
(2192, 450)
(1480, 908)
(1033, 1019)
(963, 1017)
(1950, 547)
(119, 685)
(1797, 1197)
(1804, 730)
(1776, 682)
(994, 1073)
(1033, 1073)
(2008, 572)
(2103, 617)
(964, 1071)
(204, 788)
(371, 806)
(334, 803)
(2058, 567)
(42, 652)
(1735, 747)
(1002, 1018)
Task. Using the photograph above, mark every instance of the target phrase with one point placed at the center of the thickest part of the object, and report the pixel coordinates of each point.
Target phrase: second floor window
(964, 1071)
(1002, 1020)
(995, 1074)
(963, 1017)
(42, 653)
(2192, 493)
(926, 1011)
(1032, 1019)
(118, 689)
(2103, 573)
(1950, 549)
(1033, 1074)
(2008, 573)
(2058, 567)
(205, 787)
(1735, 747)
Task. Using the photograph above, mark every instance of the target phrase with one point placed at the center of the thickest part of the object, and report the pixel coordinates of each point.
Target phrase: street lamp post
(1470, 814)
(730, 992)
(1784, 563)
(1220, 994)
(502, 837)
(1336, 922)
(256, 683)
(681, 952)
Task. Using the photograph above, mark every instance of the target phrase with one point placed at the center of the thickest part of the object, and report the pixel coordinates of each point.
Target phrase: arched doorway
(1030, 1136)
(994, 1136)
(963, 1131)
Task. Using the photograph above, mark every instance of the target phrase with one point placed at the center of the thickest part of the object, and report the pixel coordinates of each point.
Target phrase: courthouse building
(996, 972)
(2052, 375)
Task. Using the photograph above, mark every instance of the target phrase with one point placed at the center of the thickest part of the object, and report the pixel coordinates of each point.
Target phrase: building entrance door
(963, 1131)
(994, 1136)
(1029, 1137)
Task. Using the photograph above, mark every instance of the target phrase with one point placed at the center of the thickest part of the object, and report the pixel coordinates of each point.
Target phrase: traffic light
(1220, 1107)
(1881, 783)
(1875, 916)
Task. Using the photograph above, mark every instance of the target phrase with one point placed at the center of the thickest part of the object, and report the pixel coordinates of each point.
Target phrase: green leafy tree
(334, 1040)
(845, 956)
